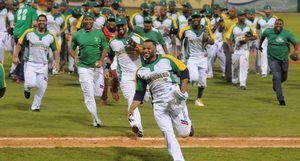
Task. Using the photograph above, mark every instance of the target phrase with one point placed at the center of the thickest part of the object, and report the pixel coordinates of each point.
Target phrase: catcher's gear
(294, 57)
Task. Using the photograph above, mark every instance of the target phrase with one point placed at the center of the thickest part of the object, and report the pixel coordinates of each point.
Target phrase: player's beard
(277, 29)
(88, 25)
(145, 13)
(196, 23)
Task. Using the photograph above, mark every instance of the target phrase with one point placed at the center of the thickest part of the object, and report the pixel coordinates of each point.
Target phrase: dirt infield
(230, 142)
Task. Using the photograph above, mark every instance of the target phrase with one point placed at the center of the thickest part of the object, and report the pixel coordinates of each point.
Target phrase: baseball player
(169, 100)
(182, 20)
(39, 42)
(3, 29)
(100, 20)
(56, 25)
(163, 24)
(197, 38)
(149, 32)
(172, 12)
(240, 34)
(266, 21)
(251, 21)
(124, 47)
(137, 19)
(92, 50)
(2, 81)
(279, 41)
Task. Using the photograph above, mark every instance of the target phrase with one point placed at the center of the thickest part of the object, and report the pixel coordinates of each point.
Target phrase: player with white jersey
(163, 24)
(217, 29)
(3, 29)
(251, 21)
(124, 47)
(197, 38)
(39, 42)
(71, 22)
(137, 19)
(241, 35)
(169, 100)
(56, 22)
(92, 50)
(100, 19)
(265, 22)
(182, 20)
(172, 12)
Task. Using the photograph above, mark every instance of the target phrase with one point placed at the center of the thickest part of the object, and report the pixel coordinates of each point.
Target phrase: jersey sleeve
(292, 39)
(54, 45)
(104, 44)
(178, 67)
(160, 38)
(140, 89)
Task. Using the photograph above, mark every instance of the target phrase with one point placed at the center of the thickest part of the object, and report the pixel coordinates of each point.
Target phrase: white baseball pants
(128, 90)
(165, 118)
(36, 76)
(264, 58)
(240, 66)
(92, 84)
(198, 71)
(3, 36)
(215, 51)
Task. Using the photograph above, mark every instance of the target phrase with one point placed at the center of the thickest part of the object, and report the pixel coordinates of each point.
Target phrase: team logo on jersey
(96, 39)
(279, 39)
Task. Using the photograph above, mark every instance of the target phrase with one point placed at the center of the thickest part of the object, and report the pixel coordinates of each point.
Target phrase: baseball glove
(294, 57)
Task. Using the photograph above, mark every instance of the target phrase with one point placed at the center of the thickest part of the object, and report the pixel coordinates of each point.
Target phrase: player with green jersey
(2, 81)
(92, 50)
(279, 41)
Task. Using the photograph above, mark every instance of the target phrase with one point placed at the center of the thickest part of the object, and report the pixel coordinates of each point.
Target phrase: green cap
(15, 3)
(163, 3)
(144, 5)
(121, 9)
(120, 21)
(187, 4)
(240, 13)
(64, 4)
(76, 10)
(172, 3)
(267, 7)
(56, 5)
(86, 4)
(147, 19)
(111, 17)
(96, 4)
(106, 11)
(28, 2)
(208, 11)
(88, 14)
(217, 6)
(115, 2)
(196, 13)
(251, 11)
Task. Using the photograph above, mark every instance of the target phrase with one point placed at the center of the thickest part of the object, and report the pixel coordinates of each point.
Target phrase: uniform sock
(200, 92)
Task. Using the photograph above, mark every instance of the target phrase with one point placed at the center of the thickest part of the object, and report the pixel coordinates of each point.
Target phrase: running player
(137, 19)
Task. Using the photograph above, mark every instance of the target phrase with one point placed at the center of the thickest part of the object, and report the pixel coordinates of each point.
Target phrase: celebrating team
(155, 53)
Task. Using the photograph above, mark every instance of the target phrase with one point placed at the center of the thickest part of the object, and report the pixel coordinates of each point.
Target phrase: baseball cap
(147, 19)
(172, 3)
(267, 7)
(56, 5)
(251, 11)
(196, 13)
(115, 2)
(121, 9)
(208, 11)
(217, 6)
(120, 21)
(205, 6)
(187, 4)
(86, 4)
(240, 13)
(15, 3)
(163, 3)
(64, 4)
(88, 14)
(144, 5)
(111, 17)
(96, 4)
(76, 10)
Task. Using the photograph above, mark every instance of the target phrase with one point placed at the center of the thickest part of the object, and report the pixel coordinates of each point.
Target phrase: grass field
(229, 111)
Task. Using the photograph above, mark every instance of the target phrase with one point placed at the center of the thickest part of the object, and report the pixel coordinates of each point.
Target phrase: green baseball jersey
(278, 44)
(153, 34)
(91, 44)
(2, 77)
(24, 18)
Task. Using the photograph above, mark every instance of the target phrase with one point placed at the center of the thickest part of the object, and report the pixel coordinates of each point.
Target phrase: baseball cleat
(282, 103)
(36, 110)
(27, 94)
(96, 123)
(137, 131)
(199, 102)
(264, 75)
(243, 88)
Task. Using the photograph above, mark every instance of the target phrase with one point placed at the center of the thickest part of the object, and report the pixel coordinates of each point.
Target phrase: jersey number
(22, 14)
